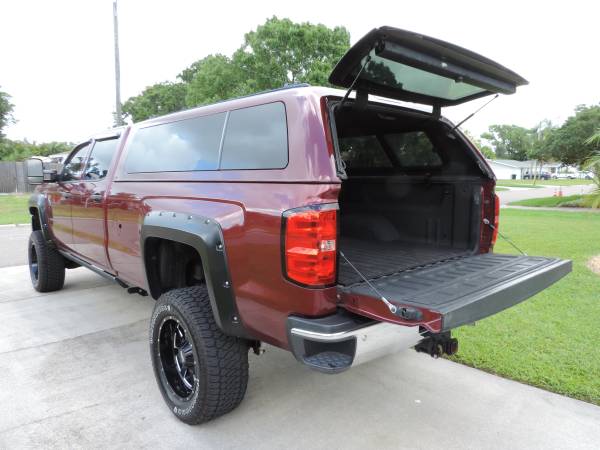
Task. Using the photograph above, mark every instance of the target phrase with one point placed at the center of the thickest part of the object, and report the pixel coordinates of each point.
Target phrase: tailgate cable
(489, 224)
(405, 313)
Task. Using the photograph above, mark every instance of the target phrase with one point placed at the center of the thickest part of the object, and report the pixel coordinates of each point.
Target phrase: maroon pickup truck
(337, 227)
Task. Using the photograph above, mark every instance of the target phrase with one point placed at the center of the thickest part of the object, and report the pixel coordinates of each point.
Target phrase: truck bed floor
(377, 259)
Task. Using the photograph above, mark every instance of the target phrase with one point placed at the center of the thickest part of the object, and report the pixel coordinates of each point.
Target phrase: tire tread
(225, 358)
(51, 264)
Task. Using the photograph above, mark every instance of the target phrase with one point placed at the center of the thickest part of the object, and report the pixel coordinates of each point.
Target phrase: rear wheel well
(171, 265)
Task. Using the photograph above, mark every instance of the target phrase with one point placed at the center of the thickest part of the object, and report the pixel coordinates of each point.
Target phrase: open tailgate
(468, 289)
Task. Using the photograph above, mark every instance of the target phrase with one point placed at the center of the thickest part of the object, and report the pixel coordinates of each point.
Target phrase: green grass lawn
(542, 183)
(550, 340)
(547, 201)
(500, 189)
(517, 183)
(567, 200)
(13, 209)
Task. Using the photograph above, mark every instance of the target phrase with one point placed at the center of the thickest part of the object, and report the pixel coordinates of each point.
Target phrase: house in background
(507, 169)
(510, 169)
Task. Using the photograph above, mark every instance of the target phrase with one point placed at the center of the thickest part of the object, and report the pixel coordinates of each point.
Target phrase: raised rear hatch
(408, 66)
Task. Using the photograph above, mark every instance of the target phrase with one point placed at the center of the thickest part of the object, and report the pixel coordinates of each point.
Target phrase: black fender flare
(206, 237)
(37, 201)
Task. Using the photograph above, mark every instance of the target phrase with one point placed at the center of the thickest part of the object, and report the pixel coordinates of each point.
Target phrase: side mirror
(35, 171)
(50, 176)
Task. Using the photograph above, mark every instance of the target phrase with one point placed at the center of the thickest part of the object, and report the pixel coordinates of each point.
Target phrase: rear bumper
(335, 343)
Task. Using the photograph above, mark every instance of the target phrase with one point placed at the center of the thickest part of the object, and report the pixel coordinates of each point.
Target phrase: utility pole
(118, 112)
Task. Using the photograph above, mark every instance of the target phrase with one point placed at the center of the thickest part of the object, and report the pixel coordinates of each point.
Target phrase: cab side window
(74, 166)
(100, 159)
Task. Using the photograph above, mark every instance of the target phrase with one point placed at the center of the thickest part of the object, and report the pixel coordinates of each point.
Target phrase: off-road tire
(46, 264)
(221, 361)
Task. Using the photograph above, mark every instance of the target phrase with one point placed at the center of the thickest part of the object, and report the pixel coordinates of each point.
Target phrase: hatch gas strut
(367, 61)
(474, 112)
(404, 312)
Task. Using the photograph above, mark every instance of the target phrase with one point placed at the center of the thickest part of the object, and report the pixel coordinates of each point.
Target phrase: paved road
(521, 194)
(76, 373)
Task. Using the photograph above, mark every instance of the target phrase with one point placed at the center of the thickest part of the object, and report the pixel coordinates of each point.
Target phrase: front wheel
(201, 372)
(46, 264)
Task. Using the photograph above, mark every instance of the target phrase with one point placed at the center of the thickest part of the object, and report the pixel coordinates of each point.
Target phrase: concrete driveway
(13, 244)
(75, 372)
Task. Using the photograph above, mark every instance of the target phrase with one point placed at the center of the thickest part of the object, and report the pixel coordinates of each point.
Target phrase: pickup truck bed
(377, 259)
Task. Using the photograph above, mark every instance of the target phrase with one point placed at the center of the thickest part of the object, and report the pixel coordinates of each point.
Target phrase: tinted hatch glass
(413, 67)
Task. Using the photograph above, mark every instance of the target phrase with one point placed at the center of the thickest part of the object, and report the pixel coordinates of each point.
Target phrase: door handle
(65, 195)
(96, 197)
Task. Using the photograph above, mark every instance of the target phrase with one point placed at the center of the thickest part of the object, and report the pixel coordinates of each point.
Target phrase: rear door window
(256, 138)
(186, 145)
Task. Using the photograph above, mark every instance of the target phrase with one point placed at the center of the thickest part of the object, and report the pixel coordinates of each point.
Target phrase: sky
(57, 60)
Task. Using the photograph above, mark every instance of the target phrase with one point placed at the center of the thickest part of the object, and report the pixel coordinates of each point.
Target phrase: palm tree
(592, 163)
(594, 138)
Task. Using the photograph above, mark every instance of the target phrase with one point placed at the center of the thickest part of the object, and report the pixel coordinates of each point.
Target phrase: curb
(15, 225)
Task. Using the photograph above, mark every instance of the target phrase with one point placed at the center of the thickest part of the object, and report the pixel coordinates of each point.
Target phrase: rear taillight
(309, 245)
(490, 212)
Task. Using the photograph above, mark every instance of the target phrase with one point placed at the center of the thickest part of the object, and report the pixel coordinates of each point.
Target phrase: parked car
(538, 175)
(585, 175)
(338, 228)
(565, 176)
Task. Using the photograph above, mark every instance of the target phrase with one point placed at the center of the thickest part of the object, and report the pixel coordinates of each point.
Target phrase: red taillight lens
(310, 246)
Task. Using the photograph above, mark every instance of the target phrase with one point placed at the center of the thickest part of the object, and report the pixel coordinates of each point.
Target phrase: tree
(155, 100)
(6, 110)
(216, 78)
(592, 163)
(539, 150)
(485, 149)
(509, 141)
(281, 51)
(277, 52)
(20, 150)
(567, 143)
(594, 139)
